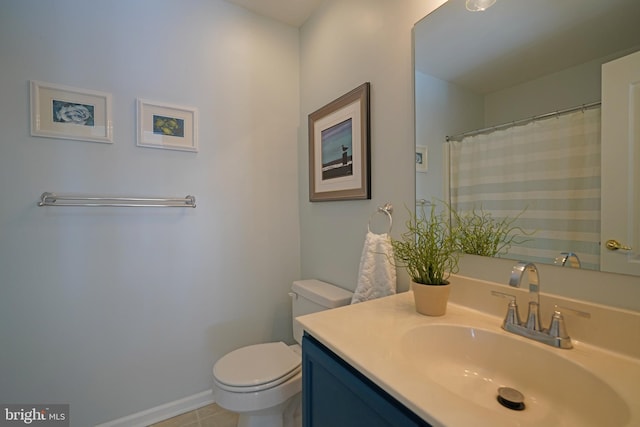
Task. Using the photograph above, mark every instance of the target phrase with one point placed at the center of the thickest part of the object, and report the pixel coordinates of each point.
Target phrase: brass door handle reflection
(614, 245)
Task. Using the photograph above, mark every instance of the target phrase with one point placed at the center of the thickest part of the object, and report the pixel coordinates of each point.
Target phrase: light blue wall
(118, 310)
(567, 88)
(343, 45)
(442, 109)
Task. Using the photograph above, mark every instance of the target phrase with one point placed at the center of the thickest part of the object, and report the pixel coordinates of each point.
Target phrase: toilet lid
(256, 365)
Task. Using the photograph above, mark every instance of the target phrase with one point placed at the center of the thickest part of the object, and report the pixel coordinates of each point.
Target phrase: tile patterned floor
(207, 416)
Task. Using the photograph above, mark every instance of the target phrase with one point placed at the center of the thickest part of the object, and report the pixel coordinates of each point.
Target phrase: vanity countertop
(372, 337)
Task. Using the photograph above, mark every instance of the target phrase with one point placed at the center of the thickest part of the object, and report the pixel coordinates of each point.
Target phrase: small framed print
(421, 158)
(339, 148)
(172, 127)
(70, 113)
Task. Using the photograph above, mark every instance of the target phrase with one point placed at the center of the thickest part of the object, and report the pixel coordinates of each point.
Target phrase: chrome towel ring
(387, 210)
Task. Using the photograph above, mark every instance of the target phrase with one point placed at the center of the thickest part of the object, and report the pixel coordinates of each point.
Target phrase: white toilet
(263, 382)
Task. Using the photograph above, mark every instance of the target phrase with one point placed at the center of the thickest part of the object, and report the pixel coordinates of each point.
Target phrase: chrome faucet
(533, 318)
(568, 258)
(556, 335)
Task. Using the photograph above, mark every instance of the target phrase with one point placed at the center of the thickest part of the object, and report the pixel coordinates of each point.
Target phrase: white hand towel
(376, 275)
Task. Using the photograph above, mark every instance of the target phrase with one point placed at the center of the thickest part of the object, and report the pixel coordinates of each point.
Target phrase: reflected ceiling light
(479, 5)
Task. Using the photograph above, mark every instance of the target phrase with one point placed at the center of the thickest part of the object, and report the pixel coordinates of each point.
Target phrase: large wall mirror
(495, 81)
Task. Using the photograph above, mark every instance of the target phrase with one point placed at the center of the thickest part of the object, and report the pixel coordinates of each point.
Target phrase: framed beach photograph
(172, 127)
(421, 158)
(339, 148)
(70, 113)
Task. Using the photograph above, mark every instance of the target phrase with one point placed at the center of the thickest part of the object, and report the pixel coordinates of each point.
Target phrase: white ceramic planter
(431, 300)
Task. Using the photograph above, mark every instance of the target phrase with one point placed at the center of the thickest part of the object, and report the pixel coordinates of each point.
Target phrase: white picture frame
(66, 112)
(422, 160)
(167, 126)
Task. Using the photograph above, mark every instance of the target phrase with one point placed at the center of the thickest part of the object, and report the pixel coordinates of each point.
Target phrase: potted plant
(429, 251)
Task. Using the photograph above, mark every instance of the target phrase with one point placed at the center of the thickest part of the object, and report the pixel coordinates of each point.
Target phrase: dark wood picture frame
(340, 148)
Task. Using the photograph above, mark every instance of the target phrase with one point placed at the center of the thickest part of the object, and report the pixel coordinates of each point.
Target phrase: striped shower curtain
(548, 172)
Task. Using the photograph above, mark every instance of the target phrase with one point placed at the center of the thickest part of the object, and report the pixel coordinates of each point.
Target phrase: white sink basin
(471, 364)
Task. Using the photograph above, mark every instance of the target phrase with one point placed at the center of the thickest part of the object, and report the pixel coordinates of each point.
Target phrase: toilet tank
(310, 296)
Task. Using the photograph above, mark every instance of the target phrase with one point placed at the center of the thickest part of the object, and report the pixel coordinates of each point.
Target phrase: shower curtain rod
(522, 121)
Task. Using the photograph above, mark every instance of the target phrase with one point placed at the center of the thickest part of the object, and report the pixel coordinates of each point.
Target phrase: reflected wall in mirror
(482, 77)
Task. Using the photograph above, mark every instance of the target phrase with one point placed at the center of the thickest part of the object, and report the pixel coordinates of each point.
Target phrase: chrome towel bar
(53, 199)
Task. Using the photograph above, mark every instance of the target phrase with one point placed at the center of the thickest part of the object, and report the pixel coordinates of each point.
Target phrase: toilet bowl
(259, 382)
(263, 382)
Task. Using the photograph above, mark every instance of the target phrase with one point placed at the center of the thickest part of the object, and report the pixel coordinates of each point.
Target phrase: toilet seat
(256, 367)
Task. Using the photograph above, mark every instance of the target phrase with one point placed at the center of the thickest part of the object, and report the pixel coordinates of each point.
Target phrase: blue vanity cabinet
(334, 394)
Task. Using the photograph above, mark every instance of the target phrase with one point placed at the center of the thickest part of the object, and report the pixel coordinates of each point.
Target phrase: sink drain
(511, 398)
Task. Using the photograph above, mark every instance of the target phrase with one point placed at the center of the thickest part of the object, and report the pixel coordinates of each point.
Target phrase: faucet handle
(513, 316)
(558, 329)
(583, 314)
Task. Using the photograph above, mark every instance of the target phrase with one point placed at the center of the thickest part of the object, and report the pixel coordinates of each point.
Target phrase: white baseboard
(162, 412)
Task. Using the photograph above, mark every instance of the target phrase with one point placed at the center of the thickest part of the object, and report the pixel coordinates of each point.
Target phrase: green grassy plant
(429, 248)
(479, 233)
